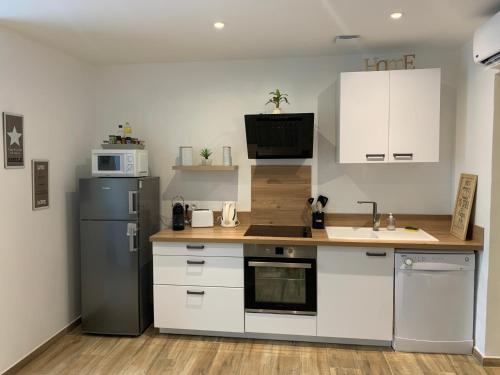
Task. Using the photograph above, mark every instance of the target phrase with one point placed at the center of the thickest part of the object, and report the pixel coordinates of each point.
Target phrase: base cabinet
(355, 293)
(199, 308)
(198, 287)
(281, 324)
(197, 270)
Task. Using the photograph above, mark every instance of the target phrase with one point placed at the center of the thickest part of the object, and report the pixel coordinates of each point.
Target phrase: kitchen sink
(366, 233)
(350, 233)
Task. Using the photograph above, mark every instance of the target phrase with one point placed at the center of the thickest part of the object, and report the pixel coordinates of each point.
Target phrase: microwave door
(109, 164)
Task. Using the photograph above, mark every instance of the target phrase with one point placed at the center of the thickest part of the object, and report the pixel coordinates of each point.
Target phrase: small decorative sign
(13, 140)
(40, 181)
(403, 63)
(463, 205)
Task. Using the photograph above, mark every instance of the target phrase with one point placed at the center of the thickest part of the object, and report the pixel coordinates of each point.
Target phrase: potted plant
(205, 154)
(277, 98)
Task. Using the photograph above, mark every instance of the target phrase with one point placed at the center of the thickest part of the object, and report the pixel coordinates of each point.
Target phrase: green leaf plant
(277, 98)
(205, 153)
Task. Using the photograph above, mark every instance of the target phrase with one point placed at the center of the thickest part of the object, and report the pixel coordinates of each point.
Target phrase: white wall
(202, 104)
(473, 154)
(493, 306)
(39, 259)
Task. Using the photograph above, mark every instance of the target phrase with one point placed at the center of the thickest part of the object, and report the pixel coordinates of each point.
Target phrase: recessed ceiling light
(396, 15)
(219, 25)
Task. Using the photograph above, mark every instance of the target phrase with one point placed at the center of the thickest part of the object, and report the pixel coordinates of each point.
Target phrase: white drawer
(281, 324)
(199, 248)
(197, 270)
(217, 309)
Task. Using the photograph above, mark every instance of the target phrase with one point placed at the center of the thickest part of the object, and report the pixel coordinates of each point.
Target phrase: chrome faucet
(376, 215)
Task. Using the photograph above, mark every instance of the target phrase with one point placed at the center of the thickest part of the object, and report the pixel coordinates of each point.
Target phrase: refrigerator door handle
(132, 202)
(132, 237)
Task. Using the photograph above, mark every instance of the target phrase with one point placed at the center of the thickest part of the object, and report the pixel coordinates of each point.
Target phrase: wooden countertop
(437, 226)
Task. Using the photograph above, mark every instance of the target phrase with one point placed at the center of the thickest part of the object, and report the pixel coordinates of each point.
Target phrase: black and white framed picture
(40, 183)
(13, 140)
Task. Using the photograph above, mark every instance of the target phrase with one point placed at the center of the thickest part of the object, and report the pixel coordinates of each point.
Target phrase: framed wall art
(463, 205)
(13, 140)
(40, 183)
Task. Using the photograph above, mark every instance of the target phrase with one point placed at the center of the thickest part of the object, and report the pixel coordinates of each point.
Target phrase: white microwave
(120, 163)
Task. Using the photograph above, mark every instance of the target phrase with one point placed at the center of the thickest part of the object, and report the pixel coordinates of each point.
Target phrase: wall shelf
(205, 168)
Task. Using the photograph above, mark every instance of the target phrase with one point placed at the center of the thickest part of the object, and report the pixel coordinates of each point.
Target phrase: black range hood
(283, 136)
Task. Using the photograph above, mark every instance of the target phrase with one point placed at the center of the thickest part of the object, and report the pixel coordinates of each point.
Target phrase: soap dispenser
(391, 222)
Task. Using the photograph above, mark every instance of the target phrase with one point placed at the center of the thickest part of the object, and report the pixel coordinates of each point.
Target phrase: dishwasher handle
(435, 266)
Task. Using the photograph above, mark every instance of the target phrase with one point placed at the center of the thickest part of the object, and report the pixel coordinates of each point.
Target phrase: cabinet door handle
(195, 247)
(196, 293)
(132, 237)
(132, 202)
(199, 262)
(403, 156)
(375, 157)
(371, 254)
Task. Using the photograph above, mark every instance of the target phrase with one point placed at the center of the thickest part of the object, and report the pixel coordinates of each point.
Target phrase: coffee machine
(178, 213)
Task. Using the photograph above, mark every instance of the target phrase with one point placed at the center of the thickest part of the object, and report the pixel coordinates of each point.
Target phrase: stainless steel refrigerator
(117, 216)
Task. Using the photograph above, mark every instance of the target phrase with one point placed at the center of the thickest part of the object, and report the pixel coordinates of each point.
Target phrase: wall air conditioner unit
(487, 43)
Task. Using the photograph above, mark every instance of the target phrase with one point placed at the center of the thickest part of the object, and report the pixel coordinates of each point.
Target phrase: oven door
(280, 285)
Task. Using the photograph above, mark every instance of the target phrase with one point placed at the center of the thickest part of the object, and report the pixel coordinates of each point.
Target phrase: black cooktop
(279, 231)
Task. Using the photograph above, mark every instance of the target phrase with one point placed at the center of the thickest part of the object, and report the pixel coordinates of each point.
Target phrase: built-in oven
(280, 279)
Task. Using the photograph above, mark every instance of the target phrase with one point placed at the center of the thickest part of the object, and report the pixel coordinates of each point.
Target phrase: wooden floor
(153, 353)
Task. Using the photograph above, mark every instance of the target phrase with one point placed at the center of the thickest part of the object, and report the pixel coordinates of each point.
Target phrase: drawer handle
(408, 156)
(195, 293)
(370, 254)
(199, 262)
(195, 247)
(280, 265)
(372, 157)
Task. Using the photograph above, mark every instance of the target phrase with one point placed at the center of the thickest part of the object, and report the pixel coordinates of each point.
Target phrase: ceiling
(139, 31)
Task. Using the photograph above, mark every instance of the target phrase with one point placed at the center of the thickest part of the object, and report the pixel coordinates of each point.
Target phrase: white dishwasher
(434, 302)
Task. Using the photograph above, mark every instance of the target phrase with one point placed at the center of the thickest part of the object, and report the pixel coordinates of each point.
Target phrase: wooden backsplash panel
(279, 194)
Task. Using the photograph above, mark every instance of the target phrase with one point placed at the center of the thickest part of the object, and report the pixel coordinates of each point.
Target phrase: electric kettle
(229, 218)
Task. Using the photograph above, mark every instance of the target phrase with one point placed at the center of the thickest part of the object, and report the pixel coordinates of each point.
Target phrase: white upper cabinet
(364, 117)
(414, 115)
(389, 116)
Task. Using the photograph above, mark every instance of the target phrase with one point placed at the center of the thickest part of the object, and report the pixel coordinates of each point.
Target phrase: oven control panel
(277, 251)
(280, 250)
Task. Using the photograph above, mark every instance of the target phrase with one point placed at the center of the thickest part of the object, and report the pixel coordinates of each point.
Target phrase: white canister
(186, 155)
(226, 156)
